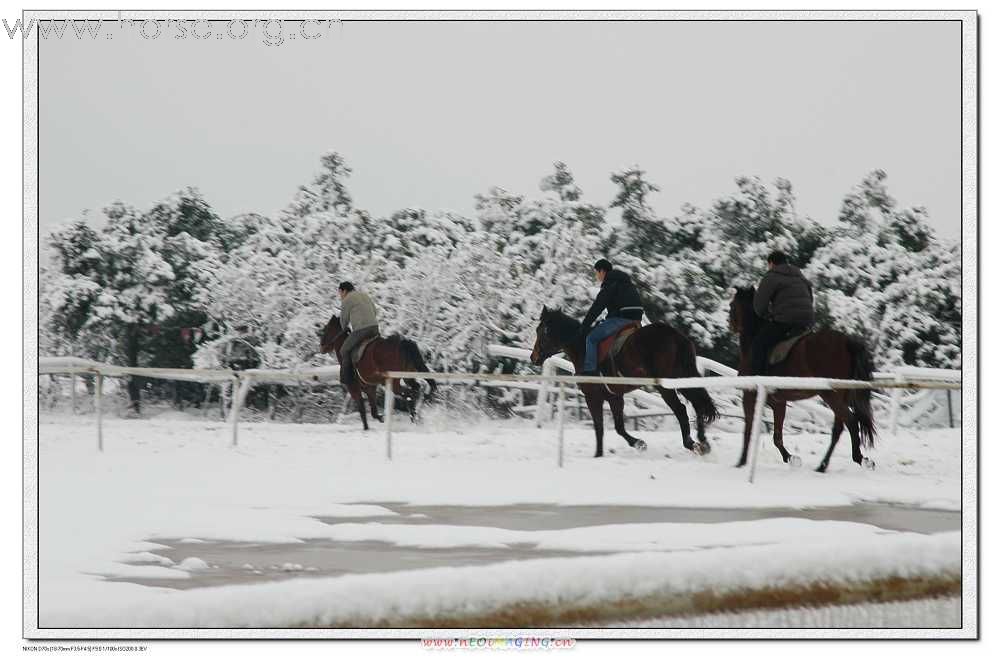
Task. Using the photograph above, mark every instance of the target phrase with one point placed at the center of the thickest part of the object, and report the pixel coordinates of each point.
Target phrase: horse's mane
(751, 321)
(562, 326)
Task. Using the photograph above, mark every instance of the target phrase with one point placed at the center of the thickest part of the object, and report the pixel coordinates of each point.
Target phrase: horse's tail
(687, 366)
(415, 361)
(861, 399)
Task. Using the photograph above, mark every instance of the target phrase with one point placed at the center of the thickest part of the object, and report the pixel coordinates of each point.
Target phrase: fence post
(239, 396)
(951, 414)
(755, 436)
(389, 405)
(562, 420)
(541, 408)
(98, 385)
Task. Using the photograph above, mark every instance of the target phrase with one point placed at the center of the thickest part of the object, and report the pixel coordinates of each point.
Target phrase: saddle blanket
(359, 352)
(780, 352)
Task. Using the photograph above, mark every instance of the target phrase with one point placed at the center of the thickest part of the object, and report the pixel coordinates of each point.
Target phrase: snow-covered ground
(176, 477)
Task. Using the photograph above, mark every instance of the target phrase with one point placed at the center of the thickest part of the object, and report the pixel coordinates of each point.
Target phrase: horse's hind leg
(680, 411)
(837, 400)
(838, 428)
(702, 446)
(414, 396)
(617, 404)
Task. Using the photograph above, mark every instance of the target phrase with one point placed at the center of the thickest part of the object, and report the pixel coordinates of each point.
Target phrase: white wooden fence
(243, 381)
(763, 385)
(903, 408)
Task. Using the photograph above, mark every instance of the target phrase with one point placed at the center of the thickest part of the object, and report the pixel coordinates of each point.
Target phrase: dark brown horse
(392, 353)
(654, 351)
(825, 353)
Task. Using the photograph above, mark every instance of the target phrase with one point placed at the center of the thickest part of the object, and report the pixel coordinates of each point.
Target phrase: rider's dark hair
(603, 265)
(777, 258)
(346, 286)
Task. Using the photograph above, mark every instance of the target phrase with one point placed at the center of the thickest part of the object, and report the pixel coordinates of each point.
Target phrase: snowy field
(115, 525)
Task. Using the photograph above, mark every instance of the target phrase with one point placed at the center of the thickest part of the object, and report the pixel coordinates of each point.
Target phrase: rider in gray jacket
(357, 312)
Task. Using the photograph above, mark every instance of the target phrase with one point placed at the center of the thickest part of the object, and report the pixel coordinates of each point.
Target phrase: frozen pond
(245, 562)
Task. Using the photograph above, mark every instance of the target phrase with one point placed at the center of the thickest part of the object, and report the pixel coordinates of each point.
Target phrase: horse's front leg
(359, 399)
(595, 404)
(617, 405)
(778, 409)
(373, 401)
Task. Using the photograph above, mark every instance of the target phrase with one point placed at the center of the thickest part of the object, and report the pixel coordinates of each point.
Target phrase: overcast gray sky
(430, 113)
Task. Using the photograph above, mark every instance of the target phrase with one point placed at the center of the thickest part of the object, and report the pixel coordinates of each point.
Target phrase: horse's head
(331, 333)
(553, 331)
(741, 314)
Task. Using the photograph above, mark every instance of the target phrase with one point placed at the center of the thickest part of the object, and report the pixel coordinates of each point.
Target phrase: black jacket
(785, 295)
(618, 296)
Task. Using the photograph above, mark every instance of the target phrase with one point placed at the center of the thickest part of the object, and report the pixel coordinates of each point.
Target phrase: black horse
(653, 351)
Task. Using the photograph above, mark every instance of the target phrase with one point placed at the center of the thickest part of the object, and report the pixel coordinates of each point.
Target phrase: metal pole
(239, 396)
(755, 436)
(224, 396)
(543, 397)
(561, 408)
(98, 385)
(951, 417)
(389, 404)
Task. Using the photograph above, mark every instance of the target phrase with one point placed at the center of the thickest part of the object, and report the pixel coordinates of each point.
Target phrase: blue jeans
(601, 331)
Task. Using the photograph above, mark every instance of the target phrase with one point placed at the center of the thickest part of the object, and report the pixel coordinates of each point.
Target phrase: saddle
(780, 351)
(611, 346)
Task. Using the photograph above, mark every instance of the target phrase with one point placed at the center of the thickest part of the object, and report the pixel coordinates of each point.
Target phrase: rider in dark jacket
(619, 296)
(784, 299)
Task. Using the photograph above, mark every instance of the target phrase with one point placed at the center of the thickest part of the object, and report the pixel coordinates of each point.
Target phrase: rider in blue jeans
(619, 296)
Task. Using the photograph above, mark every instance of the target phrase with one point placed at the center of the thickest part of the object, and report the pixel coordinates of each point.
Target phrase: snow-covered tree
(643, 234)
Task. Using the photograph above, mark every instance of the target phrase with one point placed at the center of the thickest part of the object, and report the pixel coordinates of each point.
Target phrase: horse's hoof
(868, 464)
(639, 445)
(794, 461)
(703, 448)
(741, 464)
(821, 469)
(598, 455)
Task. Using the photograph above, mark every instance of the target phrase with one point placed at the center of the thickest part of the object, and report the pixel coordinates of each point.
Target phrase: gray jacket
(357, 311)
(785, 296)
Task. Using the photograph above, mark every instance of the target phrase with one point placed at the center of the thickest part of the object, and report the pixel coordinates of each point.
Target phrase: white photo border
(970, 323)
